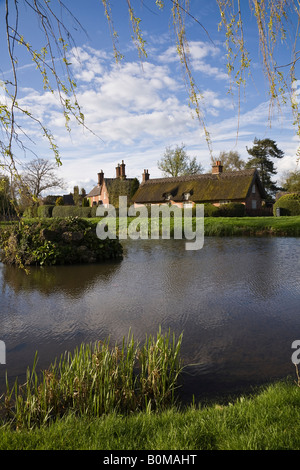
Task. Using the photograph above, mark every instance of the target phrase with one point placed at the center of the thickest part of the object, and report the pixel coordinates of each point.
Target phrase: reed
(98, 379)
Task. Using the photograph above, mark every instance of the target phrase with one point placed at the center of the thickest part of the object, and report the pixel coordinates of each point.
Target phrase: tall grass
(98, 379)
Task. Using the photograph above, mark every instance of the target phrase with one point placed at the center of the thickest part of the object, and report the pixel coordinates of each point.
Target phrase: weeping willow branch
(53, 53)
(272, 17)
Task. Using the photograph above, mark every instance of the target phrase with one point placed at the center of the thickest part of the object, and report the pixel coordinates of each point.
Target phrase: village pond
(237, 302)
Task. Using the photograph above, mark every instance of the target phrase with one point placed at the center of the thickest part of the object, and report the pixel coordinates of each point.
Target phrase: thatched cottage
(217, 187)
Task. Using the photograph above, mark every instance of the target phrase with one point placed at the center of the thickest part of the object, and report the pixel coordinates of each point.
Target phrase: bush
(54, 242)
(31, 212)
(71, 211)
(232, 209)
(289, 204)
(59, 201)
(45, 211)
(210, 210)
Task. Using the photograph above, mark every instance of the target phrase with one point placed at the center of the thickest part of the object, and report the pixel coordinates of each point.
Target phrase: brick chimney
(118, 171)
(145, 176)
(100, 178)
(217, 168)
(122, 173)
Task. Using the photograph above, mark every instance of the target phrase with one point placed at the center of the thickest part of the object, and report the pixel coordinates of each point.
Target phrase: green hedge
(31, 212)
(289, 205)
(231, 209)
(45, 211)
(72, 211)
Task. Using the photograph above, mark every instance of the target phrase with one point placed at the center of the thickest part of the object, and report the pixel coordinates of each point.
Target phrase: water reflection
(236, 300)
(71, 281)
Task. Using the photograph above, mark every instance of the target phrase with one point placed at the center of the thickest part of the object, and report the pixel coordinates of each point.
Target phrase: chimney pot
(145, 176)
(100, 178)
(217, 168)
(122, 170)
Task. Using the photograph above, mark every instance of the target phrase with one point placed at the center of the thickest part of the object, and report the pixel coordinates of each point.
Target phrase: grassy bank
(252, 226)
(231, 226)
(267, 420)
(122, 398)
(243, 226)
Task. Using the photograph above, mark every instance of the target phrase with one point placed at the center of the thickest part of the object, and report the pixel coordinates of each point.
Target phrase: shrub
(59, 201)
(45, 211)
(55, 241)
(232, 209)
(31, 212)
(71, 211)
(210, 210)
(289, 204)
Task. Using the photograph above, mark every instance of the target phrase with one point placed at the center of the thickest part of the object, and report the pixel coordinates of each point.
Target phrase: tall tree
(40, 175)
(291, 181)
(230, 160)
(177, 163)
(261, 154)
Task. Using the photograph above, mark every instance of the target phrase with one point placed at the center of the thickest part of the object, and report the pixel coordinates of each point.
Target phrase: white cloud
(200, 55)
(138, 112)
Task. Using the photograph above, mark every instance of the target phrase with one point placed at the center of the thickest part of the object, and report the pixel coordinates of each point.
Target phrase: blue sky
(138, 109)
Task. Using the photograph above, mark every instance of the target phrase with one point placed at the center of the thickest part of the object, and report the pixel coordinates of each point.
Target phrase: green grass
(243, 226)
(236, 226)
(251, 226)
(268, 420)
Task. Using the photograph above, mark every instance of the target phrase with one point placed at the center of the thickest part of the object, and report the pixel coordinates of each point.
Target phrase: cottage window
(253, 189)
(186, 196)
(168, 196)
(254, 204)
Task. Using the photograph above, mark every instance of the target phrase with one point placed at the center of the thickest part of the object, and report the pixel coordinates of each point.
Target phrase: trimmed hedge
(30, 212)
(289, 205)
(72, 211)
(231, 209)
(45, 211)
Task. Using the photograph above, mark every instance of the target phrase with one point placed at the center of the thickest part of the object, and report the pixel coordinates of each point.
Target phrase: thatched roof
(233, 186)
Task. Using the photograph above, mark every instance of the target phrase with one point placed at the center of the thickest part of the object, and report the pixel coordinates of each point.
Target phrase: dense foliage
(231, 209)
(71, 211)
(55, 241)
(45, 211)
(289, 204)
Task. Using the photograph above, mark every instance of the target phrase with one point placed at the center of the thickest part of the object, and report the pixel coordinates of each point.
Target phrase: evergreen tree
(261, 154)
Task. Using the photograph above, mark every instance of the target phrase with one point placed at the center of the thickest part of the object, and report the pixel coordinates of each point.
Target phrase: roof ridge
(175, 179)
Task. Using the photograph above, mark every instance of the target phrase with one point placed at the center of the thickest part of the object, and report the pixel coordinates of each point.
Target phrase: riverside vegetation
(97, 380)
(54, 242)
(124, 398)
